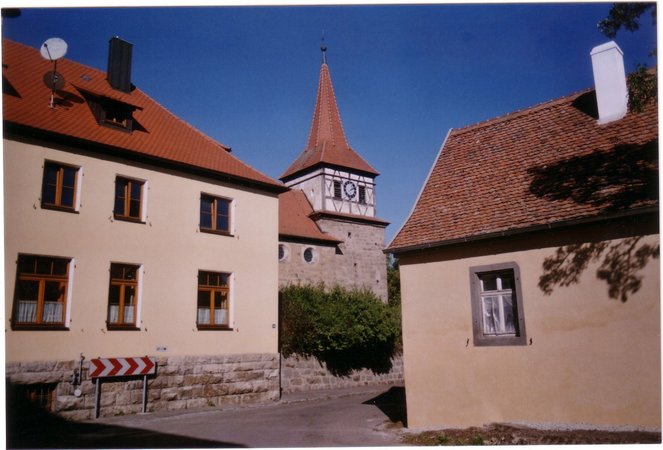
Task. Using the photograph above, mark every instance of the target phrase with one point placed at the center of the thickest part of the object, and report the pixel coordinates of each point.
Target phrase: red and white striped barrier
(121, 367)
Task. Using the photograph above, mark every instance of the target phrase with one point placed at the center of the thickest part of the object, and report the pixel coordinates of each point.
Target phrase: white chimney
(610, 82)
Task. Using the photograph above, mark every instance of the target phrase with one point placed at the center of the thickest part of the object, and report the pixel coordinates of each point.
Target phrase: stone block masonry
(181, 382)
(299, 374)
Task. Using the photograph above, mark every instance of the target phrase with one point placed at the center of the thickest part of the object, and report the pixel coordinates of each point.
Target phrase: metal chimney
(610, 82)
(118, 73)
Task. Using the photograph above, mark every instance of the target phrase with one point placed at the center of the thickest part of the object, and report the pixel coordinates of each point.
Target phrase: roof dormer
(111, 112)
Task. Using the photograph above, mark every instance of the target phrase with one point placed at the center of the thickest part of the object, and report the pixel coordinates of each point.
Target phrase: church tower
(340, 187)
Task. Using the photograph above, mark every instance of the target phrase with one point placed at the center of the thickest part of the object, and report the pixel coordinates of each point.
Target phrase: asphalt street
(358, 417)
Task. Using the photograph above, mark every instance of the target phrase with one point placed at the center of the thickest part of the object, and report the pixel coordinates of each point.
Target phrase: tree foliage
(642, 84)
(346, 329)
(625, 15)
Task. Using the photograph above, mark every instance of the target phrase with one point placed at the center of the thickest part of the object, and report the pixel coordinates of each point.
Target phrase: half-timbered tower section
(339, 187)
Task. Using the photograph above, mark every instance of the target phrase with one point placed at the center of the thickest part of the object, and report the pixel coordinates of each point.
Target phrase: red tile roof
(165, 136)
(547, 165)
(327, 143)
(295, 221)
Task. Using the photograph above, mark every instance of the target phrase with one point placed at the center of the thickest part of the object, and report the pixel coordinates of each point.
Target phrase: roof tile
(546, 164)
(327, 143)
(163, 135)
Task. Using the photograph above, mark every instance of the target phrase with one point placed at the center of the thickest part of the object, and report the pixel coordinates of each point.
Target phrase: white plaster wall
(593, 360)
(169, 246)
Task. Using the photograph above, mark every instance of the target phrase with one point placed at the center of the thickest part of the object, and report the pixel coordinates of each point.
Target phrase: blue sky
(403, 75)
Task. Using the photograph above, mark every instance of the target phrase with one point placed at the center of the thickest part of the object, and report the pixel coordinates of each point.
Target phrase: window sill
(38, 327)
(213, 328)
(59, 208)
(493, 341)
(122, 327)
(128, 219)
(217, 232)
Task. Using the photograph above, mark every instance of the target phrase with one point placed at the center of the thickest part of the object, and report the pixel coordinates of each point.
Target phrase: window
(128, 199)
(497, 310)
(284, 252)
(337, 189)
(123, 296)
(40, 395)
(362, 194)
(213, 300)
(112, 113)
(214, 214)
(310, 255)
(40, 297)
(59, 186)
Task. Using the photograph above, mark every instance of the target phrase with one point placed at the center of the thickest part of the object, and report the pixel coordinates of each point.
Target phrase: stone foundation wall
(299, 374)
(181, 382)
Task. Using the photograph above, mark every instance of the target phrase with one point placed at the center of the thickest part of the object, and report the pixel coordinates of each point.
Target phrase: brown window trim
(128, 219)
(214, 200)
(123, 283)
(218, 232)
(210, 289)
(116, 327)
(57, 205)
(127, 184)
(202, 327)
(37, 327)
(67, 209)
(42, 278)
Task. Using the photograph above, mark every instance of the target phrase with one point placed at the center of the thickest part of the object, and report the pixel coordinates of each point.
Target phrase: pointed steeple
(327, 143)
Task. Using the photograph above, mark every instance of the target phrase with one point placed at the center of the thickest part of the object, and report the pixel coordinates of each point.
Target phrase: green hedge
(346, 329)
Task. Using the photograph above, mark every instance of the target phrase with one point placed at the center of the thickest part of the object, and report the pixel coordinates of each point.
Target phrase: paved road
(360, 417)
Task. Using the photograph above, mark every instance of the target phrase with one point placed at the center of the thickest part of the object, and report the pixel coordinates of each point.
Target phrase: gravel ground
(515, 435)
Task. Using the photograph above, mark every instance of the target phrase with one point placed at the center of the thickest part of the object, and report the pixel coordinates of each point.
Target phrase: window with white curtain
(40, 296)
(497, 310)
(123, 296)
(213, 308)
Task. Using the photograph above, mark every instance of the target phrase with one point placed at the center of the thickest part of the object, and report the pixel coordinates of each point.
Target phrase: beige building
(130, 233)
(328, 229)
(529, 268)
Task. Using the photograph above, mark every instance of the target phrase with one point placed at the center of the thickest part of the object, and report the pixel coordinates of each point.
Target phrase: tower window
(362, 194)
(310, 255)
(337, 189)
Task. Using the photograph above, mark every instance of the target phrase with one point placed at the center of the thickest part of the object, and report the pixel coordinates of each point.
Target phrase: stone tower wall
(360, 262)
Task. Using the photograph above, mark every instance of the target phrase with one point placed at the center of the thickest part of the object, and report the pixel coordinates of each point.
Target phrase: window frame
(42, 279)
(285, 248)
(314, 255)
(57, 205)
(123, 283)
(127, 199)
(480, 338)
(212, 289)
(214, 229)
(337, 186)
(361, 194)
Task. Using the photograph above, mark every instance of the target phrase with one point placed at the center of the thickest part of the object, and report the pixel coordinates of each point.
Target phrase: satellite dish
(53, 49)
(54, 81)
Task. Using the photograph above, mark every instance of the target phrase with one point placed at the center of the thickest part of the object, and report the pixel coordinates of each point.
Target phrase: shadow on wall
(29, 426)
(392, 403)
(376, 359)
(617, 180)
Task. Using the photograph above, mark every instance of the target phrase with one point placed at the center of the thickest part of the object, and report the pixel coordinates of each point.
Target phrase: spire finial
(323, 48)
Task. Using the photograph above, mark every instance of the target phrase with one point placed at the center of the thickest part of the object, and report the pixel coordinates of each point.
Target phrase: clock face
(350, 189)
